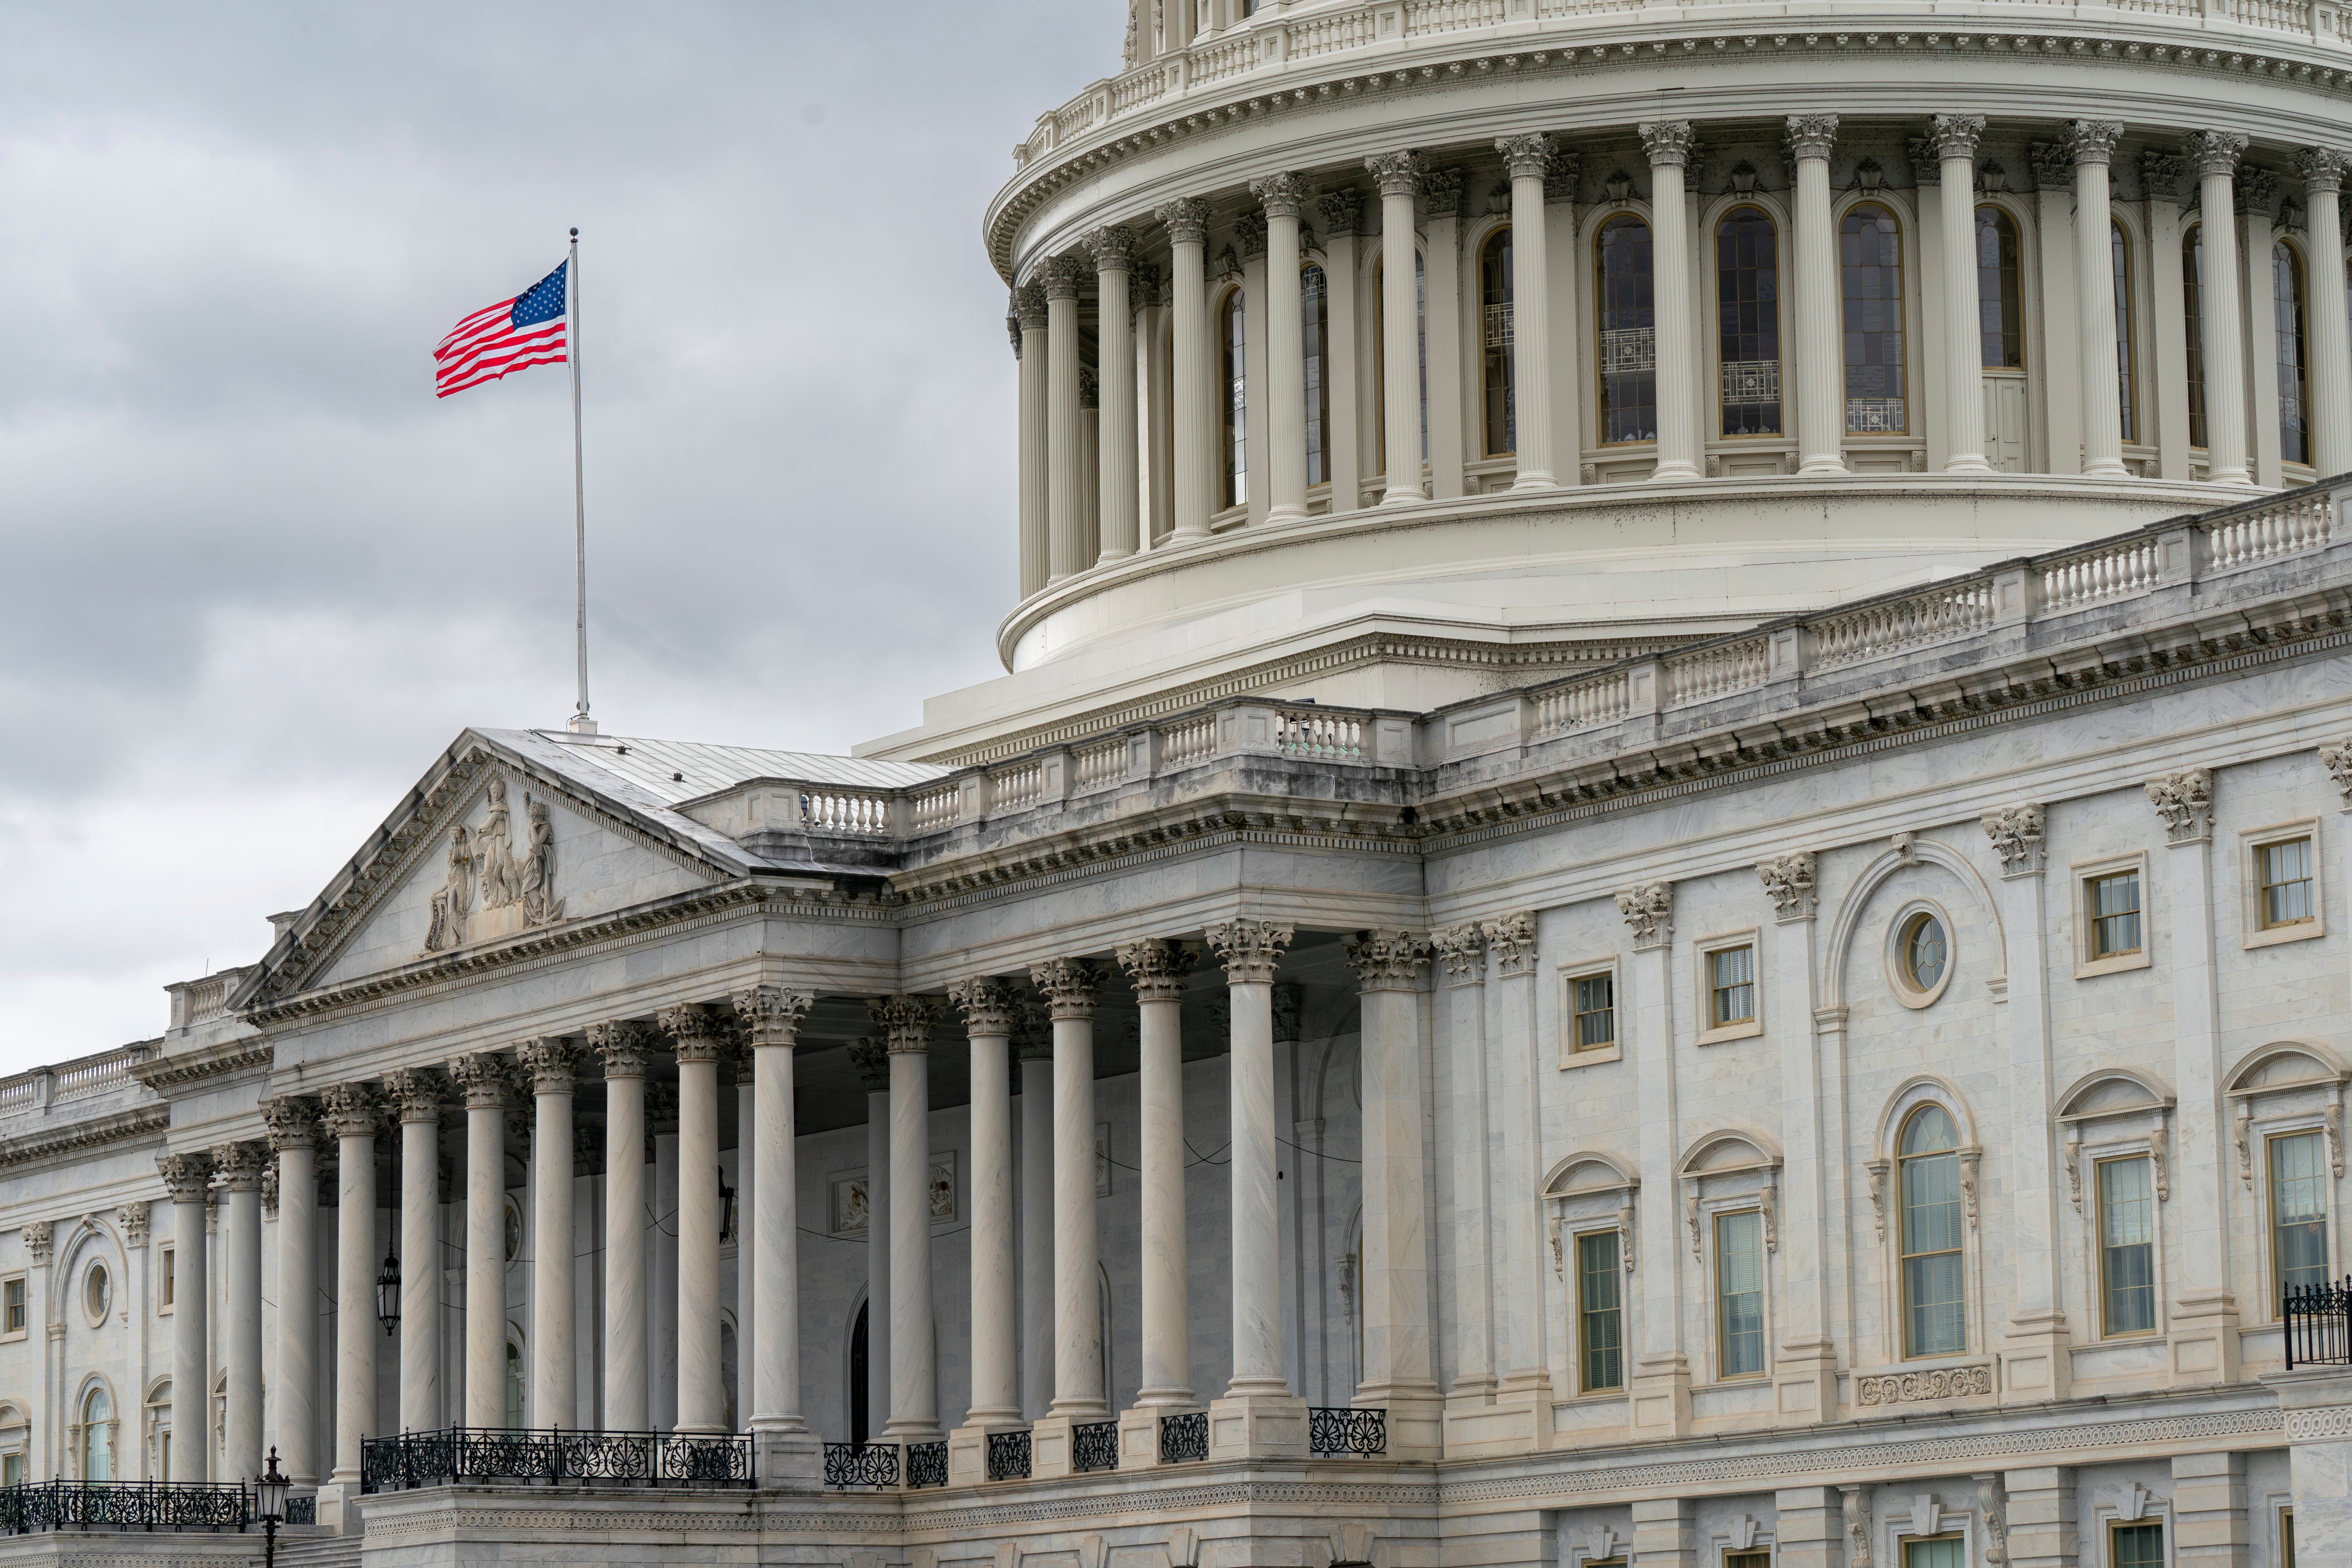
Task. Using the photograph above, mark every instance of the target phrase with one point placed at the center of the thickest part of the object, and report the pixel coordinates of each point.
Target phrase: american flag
(513, 334)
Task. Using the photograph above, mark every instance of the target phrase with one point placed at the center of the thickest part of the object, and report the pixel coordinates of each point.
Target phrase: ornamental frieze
(1912, 1387)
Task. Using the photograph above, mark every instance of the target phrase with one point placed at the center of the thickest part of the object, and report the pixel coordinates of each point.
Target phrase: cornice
(181, 1068)
(81, 1136)
(1446, 61)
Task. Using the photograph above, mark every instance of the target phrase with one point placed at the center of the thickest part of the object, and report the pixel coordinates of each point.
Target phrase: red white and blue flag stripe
(499, 339)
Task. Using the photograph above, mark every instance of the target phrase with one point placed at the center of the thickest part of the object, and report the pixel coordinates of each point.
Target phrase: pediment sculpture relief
(490, 891)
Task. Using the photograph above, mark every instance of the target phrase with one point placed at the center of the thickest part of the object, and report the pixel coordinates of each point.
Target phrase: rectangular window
(12, 1470)
(2298, 1210)
(1731, 987)
(2285, 872)
(16, 1307)
(1739, 1292)
(1595, 1000)
(2286, 1538)
(171, 1278)
(163, 1453)
(1935, 1551)
(1599, 1317)
(2115, 914)
(1748, 1559)
(2126, 1246)
(2137, 1546)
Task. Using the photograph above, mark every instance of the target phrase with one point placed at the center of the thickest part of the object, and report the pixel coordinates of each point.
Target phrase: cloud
(259, 576)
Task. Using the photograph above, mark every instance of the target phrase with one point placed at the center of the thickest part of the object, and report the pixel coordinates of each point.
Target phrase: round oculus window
(1925, 952)
(97, 1292)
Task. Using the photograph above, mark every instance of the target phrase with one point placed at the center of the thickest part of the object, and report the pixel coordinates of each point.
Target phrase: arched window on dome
(1233, 338)
(1748, 321)
(97, 1436)
(2192, 310)
(1870, 264)
(1315, 314)
(2000, 290)
(1927, 1188)
(1500, 403)
(1380, 355)
(1624, 303)
(2126, 365)
(2287, 311)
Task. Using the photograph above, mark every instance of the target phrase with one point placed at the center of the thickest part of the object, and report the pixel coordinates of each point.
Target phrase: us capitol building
(1649, 888)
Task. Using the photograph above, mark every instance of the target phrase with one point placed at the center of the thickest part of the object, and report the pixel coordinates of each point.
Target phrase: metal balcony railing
(926, 1464)
(1184, 1439)
(1333, 1432)
(126, 1505)
(861, 1463)
(1094, 1447)
(2319, 1324)
(553, 1455)
(1008, 1456)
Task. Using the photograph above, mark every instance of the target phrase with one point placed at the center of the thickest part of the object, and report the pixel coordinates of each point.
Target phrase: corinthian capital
(1029, 307)
(1525, 157)
(870, 1060)
(40, 1235)
(2016, 835)
(988, 1005)
(1396, 174)
(239, 1165)
(549, 1062)
(1649, 911)
(907, 1021)
(1789, 883)
(1249, 948)
(1463, 951)
(1342, 210)
(1061, 275)
(2213, 152)
(2185, 801)
(416, 1094)
(293, 1122)
(1511, 939)
(1667, 143)
(2092, 141)
(772, 1013)
(1813, 135)
(2320, 169)
(185, 1175)
(1187, 218)
(1386, 960)
(485, 1080)
(1281, 195)
(1113, 248)
(1956, 136)
(352, 1110)
(1158, 967)
(1069, 985)
(697, 1034)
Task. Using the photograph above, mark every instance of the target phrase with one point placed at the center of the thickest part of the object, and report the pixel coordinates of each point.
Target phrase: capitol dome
(1718, 313)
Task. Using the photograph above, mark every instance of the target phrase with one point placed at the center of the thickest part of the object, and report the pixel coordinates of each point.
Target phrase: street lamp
(387, 1294)
(269, 1499)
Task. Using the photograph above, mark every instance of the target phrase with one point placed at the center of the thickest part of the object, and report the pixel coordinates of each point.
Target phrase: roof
(669, 772)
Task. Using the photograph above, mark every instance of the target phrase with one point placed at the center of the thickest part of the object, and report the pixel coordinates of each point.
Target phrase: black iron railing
(861, 1463)
(1094, 1447)
(1183, 1439)
(1008, 1456)
(926, 1464)
(303, 1510)
(124, 1505)
(2319, 1321)
(552, 1456)
(1332, 1431)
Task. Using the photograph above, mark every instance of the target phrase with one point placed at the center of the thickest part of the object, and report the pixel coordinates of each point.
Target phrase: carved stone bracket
(2016, 835)
(1789, 883)
(1649, 911)
(1856, 1508)
(1386, 961)
(132, 1219)
(1877, 1170)
(2337, 757)
(2185, 801)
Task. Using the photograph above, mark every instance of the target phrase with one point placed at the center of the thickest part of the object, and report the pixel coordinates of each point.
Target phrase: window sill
(1593, 1058)
(2115, 965)
(2302, 930)
(1746, 1030)
(15, 1335)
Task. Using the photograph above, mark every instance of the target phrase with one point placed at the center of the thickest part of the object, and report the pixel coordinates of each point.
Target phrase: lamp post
(387, 1295)
(269, 1499)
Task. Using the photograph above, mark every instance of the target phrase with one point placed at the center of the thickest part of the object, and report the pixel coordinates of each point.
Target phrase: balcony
(2317, 1319)
(145, 1506)
(554, 1457)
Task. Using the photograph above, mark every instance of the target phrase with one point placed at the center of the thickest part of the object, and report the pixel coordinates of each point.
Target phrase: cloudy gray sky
(256, 577)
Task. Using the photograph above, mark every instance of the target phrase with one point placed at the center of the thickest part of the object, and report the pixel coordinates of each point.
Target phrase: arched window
(2192, 310)
(1626, 307)
(514, 1386)
(1500, 404)
(2000, 290)
(860, 1409)
(1870, 263)
(1934, 1314)
(2128, 382)
(2294, 375)
(1748, 321)
(1315, 314)
(1233, 335)
(1381, 354)
(97, 1437)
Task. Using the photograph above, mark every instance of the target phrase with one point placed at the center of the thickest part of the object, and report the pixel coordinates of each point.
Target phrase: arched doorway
(858, 1404)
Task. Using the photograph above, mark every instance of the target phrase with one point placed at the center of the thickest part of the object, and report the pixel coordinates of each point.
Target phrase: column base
(338, 1507)
(1659, 1399)
(1534, 480)
(1483, 1418)
(1804, 1383)
(1416, 1418)
(1051, 1447)
(788, 1459)
(1674, 472)
(968, 1449)
(1251, 1424)
(1402, 498)
(2114, 470)
(1138, 1432)
(1821, 467)
(2036, 1360)
(2204, 1338)
(1970, 463)
(1288, 514)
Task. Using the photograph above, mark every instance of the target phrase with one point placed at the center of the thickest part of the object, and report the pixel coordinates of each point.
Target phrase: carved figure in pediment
(536, 873)
(494, 851)
(456, 898)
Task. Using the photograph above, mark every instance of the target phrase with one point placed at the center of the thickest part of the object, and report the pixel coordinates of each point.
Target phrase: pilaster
(1804, 1363)
(1398, 1374)
(1660, 1383)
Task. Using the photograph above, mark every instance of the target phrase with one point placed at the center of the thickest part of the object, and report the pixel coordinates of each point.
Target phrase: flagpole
(580, 723)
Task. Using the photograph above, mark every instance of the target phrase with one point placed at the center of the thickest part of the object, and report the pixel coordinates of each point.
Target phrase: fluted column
(1397, 176)
(1037, 1051)
(2091, 142)
(1529, 160)
(2331, 336)
(1158, 969)
(697, 1036)
(293, 1125)
(906, 1024)
(1256, 1414)
(186, 1176)
(2215, 154)
(871, 1060)
(1069, 986)
(990, 1009)
(746, 1068)
(773, 1016)
(415, 1096)
(549, 1062)
(1065, 460)
(1955, 138)
(1120, 498)
(352, 1116)
(622, 1047)
(1399, 1373)
(486, 1083)
(1029, 315)
(1669, 145)
(1286, 350)
(1821, 403)
(1187, 220)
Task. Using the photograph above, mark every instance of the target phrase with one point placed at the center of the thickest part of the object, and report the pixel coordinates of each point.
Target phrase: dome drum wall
(1717, 364)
